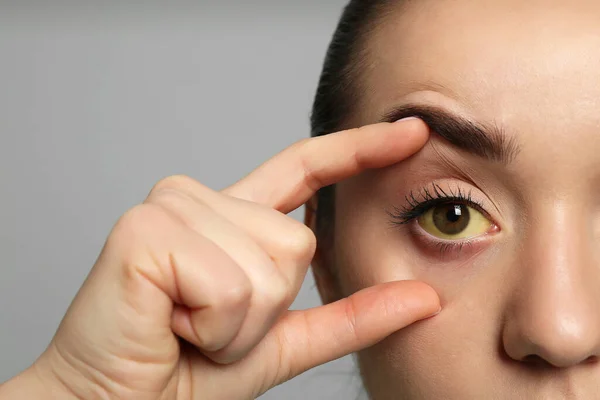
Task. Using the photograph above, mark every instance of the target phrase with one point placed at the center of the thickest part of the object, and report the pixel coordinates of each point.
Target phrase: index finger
(290, 178)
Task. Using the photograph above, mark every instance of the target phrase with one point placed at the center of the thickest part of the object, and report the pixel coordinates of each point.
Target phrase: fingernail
(435, 313)
(407, 119)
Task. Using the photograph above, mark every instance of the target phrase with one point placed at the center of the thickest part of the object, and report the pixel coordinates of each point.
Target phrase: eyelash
(418, 203)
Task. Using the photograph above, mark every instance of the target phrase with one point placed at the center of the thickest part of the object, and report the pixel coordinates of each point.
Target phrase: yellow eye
(454, 222)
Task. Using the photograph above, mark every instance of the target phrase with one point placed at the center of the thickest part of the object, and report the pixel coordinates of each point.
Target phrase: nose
(553, 318)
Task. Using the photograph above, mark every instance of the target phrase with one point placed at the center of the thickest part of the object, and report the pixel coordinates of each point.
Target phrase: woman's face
(507, 229)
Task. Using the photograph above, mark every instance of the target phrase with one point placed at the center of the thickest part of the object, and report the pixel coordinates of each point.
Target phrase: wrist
(35, 383)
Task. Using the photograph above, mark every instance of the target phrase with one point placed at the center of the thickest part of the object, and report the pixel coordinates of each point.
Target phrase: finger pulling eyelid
(446, 157)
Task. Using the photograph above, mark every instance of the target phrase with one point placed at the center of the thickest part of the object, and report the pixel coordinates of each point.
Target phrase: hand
(219, 270)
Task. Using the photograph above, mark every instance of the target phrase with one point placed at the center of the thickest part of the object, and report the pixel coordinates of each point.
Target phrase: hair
(339, 85)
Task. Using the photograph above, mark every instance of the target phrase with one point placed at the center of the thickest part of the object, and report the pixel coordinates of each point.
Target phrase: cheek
(449, 356)
(456, 354)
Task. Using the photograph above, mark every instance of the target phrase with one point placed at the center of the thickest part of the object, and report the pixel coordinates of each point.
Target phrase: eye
(454, 221)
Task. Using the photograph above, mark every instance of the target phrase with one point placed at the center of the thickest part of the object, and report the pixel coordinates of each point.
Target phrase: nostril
(536, 361)
(591, 360)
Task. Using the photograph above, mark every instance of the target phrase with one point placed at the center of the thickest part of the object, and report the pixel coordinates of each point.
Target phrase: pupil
(451, 219)
(454, 213)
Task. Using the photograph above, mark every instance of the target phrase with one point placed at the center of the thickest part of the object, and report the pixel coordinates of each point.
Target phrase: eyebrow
(487, 141)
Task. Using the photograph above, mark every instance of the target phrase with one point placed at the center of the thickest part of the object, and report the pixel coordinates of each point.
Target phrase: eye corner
(494, 229)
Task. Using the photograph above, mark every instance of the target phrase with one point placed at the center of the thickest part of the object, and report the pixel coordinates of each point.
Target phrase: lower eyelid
(437, 247)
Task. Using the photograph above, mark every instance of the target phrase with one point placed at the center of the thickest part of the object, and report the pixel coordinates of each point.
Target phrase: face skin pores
(500, 212)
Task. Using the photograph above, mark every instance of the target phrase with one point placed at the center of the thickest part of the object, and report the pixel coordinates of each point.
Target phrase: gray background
(100, 99)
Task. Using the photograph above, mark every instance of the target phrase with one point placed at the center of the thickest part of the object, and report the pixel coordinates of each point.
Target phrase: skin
(520, 309)
(219, 270)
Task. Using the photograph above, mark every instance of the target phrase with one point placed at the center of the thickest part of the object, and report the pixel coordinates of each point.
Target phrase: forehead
(500, 59)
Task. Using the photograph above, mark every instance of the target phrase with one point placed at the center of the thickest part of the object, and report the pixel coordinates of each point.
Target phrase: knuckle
(278, 293)
(351, 318)
(300, 242)
(235, 296)
(167, 197)
(299, 151)
(361, 129)
(229, 355)
(139, 221)
(302, 143)
(173, 183)
(135, 230)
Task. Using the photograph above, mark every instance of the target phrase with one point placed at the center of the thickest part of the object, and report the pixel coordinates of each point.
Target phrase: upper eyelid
(433, 193)
(439, 192)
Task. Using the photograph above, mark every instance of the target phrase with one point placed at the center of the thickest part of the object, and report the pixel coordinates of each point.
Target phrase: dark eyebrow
(489, 142)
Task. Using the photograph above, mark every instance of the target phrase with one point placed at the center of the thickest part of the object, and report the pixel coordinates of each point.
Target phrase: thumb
(306, 339)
